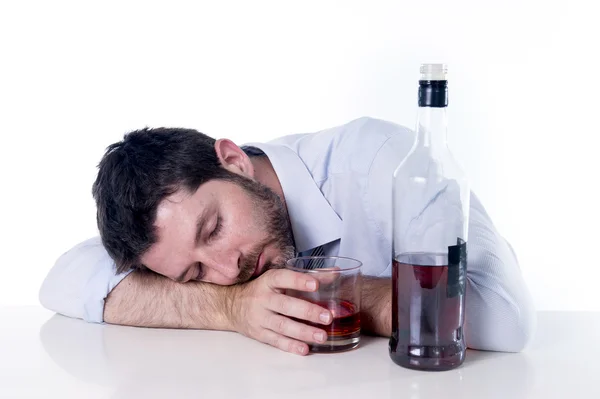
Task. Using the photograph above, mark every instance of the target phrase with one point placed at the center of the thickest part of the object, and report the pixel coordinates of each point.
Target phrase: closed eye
(215, 233)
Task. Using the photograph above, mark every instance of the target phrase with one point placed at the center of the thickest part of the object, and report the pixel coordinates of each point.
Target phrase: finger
(284, 343)
(292, 329)
(298, 308)
(288, 279)
(327, 276)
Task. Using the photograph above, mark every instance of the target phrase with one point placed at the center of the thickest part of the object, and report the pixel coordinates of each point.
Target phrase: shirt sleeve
(500, 314)
(80, 281)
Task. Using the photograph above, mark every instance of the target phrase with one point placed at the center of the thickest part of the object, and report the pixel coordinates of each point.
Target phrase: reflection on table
(138, 362)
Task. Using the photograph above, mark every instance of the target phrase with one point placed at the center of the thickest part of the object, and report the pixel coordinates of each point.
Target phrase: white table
(50, 356)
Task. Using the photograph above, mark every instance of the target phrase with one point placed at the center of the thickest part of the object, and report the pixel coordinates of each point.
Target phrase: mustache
(248, 265)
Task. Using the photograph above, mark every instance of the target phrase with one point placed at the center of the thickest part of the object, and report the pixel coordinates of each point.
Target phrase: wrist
(231, 308)
(210, 307)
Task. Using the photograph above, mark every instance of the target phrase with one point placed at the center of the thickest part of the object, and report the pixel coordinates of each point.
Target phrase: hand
(261, 311)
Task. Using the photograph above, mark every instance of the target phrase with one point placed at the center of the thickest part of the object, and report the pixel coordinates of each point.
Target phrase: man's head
(186, 206)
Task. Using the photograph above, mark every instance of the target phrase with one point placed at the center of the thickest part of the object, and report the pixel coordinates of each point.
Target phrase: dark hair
(136, 174)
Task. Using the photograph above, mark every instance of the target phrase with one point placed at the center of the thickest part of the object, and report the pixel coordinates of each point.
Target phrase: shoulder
(352, 146)
(367, 142)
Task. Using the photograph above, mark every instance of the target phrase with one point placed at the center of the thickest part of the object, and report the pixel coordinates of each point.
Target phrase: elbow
(79, 281)
(52, 291)
(499, 323)
(45, 295)
(524, 327)
(65, 283)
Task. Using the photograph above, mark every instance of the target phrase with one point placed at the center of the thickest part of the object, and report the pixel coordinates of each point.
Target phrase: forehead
(178, 206)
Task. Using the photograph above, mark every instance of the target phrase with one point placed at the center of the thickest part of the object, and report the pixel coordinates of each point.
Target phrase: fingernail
(324, 317)
(320, 337)
(301, 350)
(311, 285)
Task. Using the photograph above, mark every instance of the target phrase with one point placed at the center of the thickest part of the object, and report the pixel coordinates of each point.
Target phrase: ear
(233, 158)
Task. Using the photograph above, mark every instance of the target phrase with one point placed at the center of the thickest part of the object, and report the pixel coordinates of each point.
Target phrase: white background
(524, 102)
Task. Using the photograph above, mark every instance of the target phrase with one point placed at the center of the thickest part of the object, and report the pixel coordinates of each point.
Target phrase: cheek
(241, 234)
(246, 222)
(245, 225)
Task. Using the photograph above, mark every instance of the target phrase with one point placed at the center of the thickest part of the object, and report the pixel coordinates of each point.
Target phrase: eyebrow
(200, 222)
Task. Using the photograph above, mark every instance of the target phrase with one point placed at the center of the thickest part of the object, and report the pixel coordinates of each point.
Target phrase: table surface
(47, 355)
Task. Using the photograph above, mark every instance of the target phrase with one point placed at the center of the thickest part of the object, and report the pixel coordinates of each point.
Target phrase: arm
(83, 284)
(257, 309)
(376, 306)
(147, 299)
(84, 277)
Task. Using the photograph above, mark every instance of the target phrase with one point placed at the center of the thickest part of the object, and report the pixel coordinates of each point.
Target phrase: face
(226, 232)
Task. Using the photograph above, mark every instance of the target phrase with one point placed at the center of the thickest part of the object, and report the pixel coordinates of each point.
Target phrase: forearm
(145, 299)
(376, 306)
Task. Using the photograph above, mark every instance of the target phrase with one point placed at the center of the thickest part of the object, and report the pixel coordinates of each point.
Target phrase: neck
(431, 128)
(264, 173)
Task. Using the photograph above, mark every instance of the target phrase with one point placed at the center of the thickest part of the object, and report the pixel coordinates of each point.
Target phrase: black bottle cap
(433, 93)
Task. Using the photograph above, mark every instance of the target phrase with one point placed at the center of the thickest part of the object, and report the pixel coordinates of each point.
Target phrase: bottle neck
(432, 120)
(432, 124)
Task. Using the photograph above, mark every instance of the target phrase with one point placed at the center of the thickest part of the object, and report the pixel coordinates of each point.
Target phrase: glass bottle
(430, 227)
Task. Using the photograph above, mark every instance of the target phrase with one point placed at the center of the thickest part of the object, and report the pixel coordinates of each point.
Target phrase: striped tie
(316, 263)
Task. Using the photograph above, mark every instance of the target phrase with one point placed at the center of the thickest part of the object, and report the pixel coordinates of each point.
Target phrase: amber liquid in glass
(344, 331)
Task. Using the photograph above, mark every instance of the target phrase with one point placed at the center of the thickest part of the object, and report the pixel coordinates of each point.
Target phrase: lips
(260, 262)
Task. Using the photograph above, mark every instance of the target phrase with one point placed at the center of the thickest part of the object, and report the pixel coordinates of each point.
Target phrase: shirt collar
(313, 220)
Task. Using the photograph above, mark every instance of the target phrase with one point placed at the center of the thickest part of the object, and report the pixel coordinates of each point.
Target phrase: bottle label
(457, 269)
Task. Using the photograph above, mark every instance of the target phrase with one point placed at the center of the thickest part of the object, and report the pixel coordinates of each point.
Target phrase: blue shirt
(337, 188)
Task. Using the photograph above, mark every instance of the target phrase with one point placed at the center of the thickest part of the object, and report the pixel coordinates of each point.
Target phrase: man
(195, 231)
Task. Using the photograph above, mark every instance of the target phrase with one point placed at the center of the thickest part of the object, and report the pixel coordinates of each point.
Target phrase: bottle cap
(434, 72)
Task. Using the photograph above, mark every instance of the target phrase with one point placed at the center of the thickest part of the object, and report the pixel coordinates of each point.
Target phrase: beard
(269, 211)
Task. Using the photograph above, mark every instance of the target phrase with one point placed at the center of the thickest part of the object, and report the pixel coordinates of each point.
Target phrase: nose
(220, 265)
